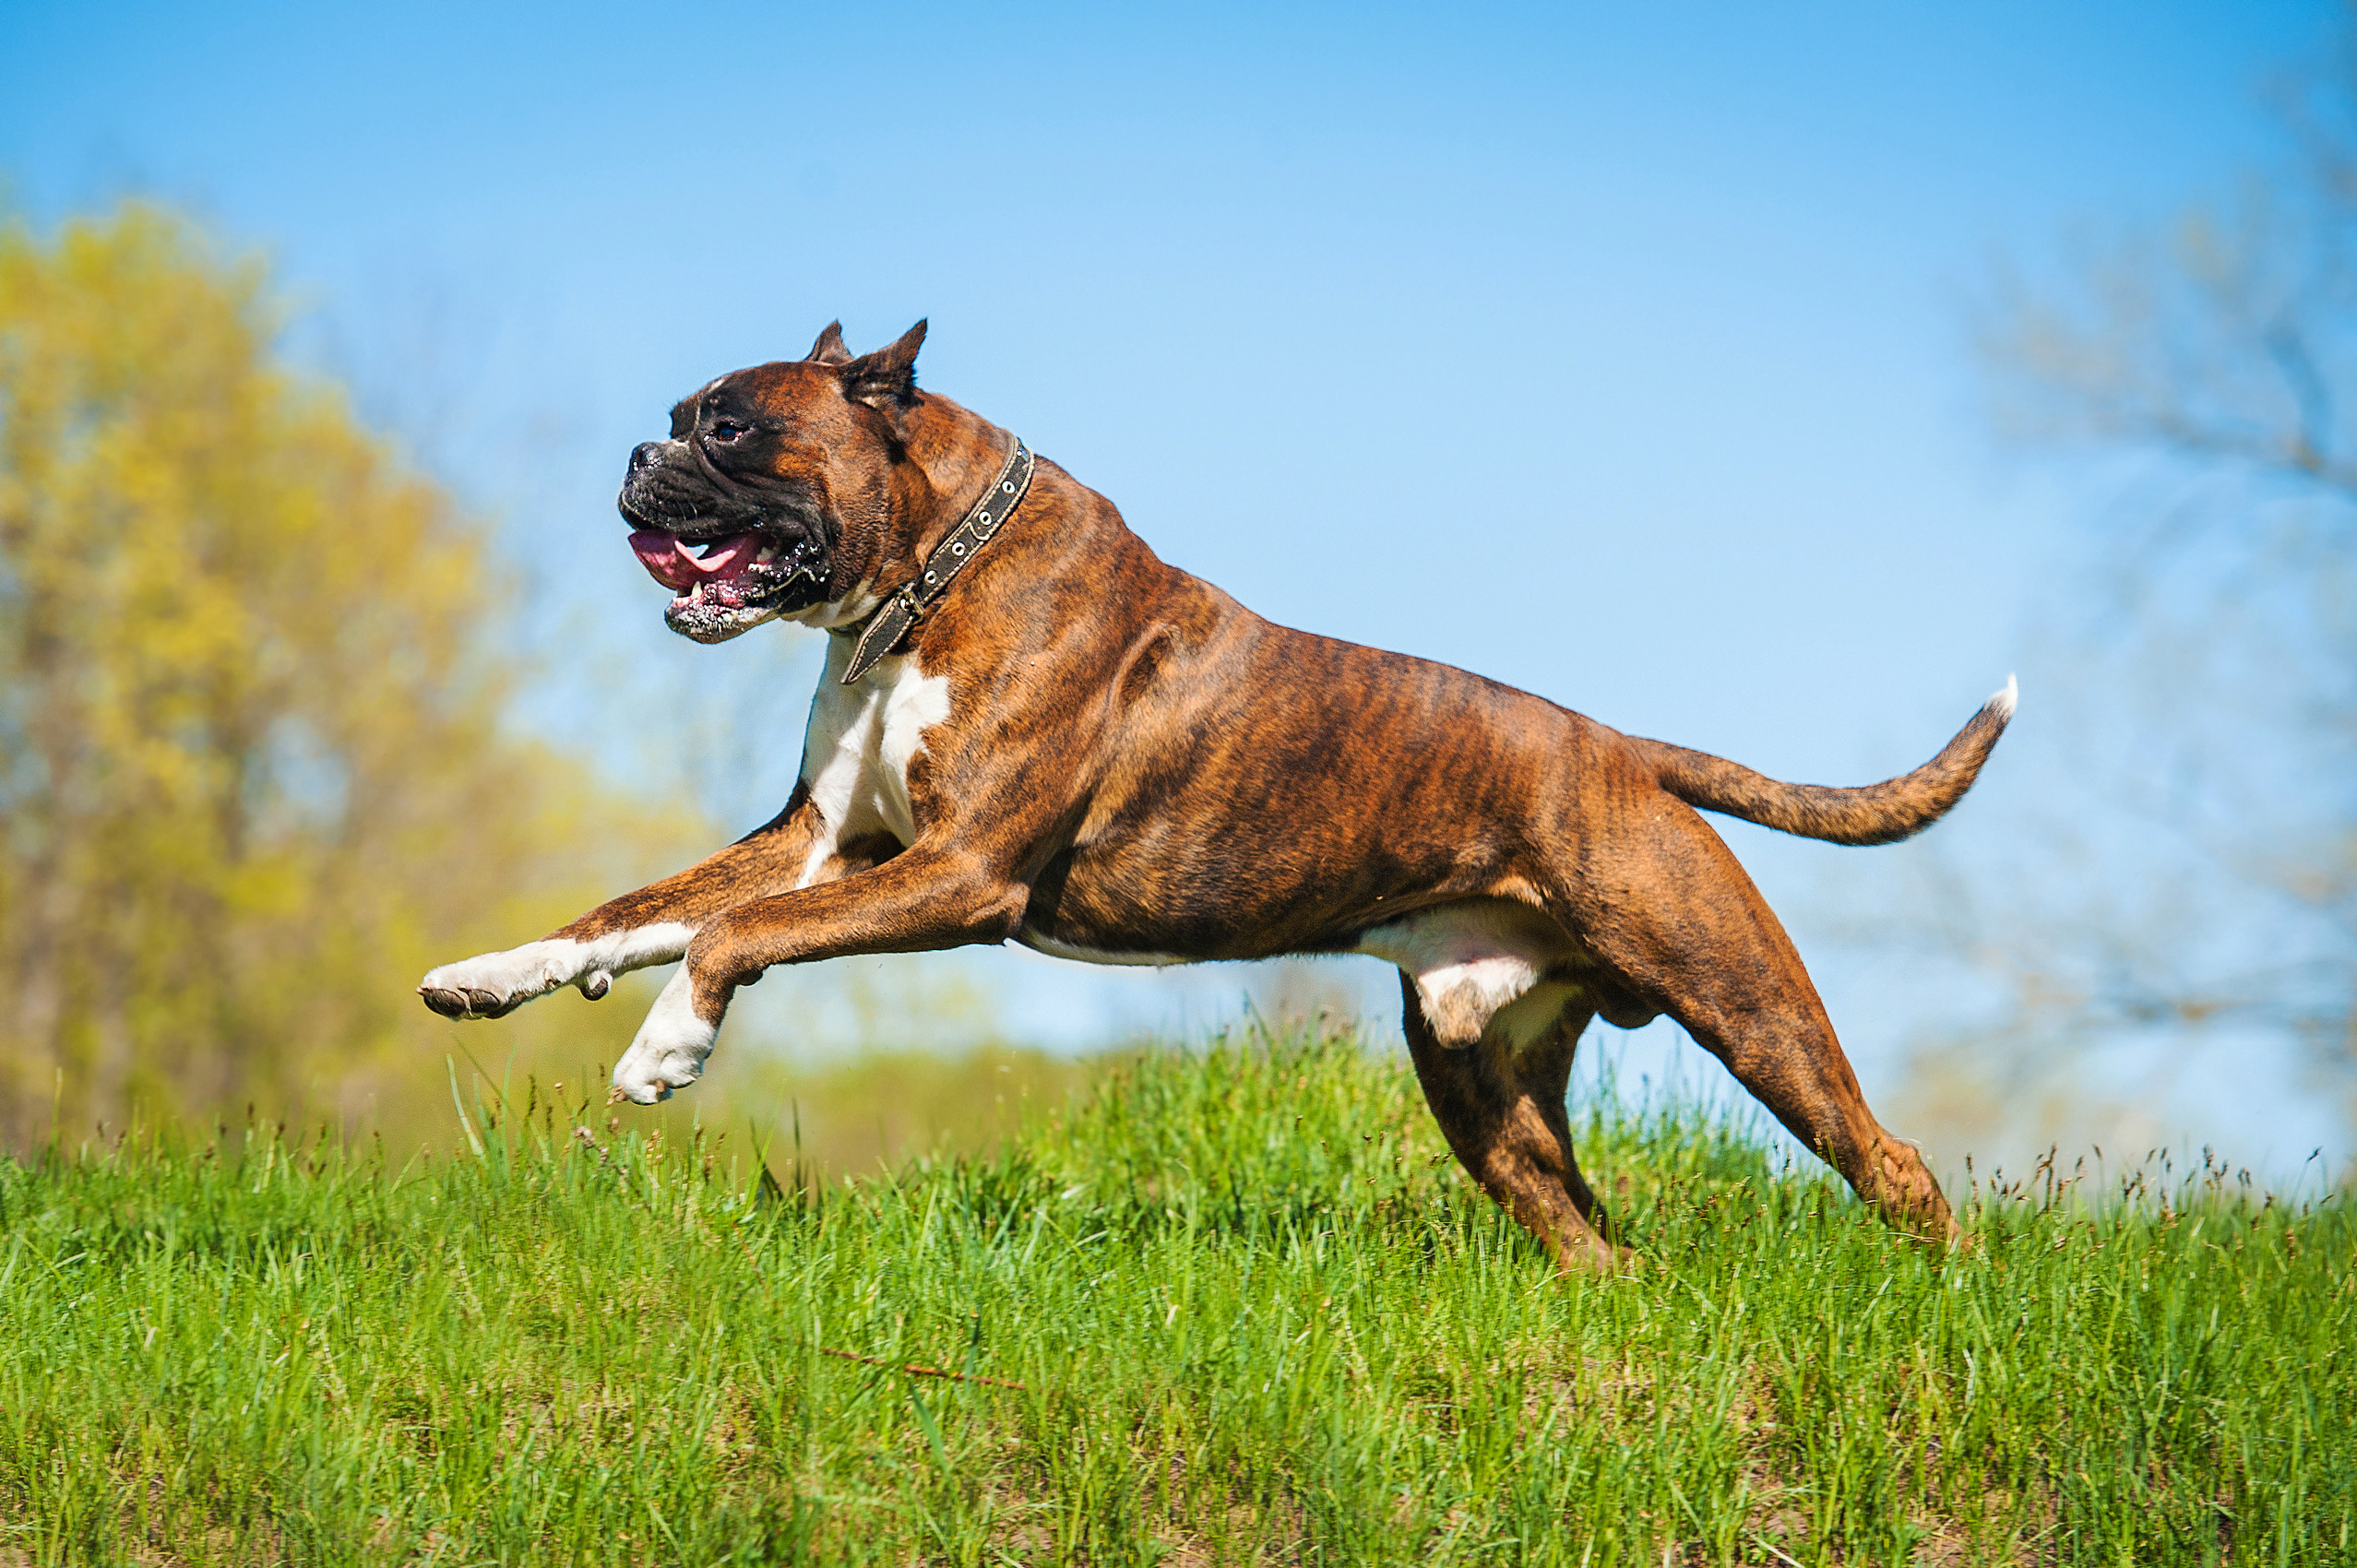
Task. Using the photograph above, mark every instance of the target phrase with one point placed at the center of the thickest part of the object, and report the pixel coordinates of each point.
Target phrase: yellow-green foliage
(252, 777)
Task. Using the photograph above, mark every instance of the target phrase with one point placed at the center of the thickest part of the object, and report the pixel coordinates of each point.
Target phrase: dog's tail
(1875, 813)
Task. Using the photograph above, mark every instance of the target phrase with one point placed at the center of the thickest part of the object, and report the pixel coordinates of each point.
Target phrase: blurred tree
(2192, 874)
(253, 780)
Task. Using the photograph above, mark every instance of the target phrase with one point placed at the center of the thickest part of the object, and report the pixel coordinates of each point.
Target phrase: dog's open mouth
(718, 581)
(722, 567)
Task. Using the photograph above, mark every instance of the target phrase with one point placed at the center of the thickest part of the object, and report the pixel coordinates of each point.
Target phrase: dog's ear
(830, 348)
(887, 378)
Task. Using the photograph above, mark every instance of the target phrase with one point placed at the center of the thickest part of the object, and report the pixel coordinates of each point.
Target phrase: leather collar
(903, 609)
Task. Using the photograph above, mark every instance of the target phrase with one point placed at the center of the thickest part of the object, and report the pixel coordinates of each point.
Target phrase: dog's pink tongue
(721, 559)
(668, 561)
(662, 557)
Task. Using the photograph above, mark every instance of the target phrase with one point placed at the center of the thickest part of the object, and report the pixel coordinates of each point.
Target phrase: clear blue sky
(1620, 353)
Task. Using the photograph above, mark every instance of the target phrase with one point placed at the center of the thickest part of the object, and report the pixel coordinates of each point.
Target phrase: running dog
(1031, 729)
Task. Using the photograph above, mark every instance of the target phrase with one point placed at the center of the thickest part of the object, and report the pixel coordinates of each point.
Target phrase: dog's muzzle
(728, 561)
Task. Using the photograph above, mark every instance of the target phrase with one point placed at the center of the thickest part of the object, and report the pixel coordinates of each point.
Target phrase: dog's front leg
(492, 985)
(651, 926)
(919, 901)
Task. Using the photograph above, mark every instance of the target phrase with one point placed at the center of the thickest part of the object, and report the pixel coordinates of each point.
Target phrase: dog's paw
(670, 1050)
(493, 984)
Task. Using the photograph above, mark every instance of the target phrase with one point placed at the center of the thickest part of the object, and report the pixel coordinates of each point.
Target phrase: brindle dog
(1082, 749)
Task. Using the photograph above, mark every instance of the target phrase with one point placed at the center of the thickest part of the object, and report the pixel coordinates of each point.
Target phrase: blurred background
(1773, 381)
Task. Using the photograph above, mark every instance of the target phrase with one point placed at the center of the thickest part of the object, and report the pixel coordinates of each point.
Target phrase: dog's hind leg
(1669, 909)
(1501, 1110)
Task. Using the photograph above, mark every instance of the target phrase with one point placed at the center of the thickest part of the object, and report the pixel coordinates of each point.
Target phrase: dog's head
(773, 495)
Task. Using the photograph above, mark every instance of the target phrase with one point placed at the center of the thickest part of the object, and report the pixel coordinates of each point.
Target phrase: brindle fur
(1132, 762)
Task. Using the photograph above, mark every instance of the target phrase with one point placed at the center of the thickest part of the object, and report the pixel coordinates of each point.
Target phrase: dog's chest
(855, 754)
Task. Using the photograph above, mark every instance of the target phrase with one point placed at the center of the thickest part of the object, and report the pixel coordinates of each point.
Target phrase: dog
(1031, 729)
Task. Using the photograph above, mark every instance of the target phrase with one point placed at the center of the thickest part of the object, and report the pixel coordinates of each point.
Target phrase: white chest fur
(856, 752)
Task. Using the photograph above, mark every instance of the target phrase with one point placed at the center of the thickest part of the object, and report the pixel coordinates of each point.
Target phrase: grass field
(1238, 1309)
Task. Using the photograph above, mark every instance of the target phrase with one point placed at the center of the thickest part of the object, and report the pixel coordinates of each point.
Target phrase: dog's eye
(726, 430)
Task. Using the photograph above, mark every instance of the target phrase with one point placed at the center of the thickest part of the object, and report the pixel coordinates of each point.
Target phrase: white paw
(670, 1051)
(495, 983)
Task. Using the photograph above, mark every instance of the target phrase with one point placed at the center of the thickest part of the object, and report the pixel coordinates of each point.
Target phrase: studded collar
(903, 609)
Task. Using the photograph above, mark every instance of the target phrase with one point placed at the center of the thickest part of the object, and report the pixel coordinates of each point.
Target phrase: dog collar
(903, 609)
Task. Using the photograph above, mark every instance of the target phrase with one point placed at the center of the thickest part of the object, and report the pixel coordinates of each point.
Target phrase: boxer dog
(1031, 729)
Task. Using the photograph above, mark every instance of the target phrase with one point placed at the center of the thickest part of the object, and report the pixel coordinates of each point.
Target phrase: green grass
(1255, 1317)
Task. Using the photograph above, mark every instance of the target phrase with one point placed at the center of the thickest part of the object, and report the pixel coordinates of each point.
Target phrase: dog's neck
(948, 455)
(952, 454)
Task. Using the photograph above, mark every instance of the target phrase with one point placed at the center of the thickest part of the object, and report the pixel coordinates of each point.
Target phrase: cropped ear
(886, 378)
(830, 348)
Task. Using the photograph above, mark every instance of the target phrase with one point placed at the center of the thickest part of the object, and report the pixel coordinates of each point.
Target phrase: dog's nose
(643, 454)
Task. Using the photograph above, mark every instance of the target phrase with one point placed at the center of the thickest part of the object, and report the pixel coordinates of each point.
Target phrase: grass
(1254, 1316)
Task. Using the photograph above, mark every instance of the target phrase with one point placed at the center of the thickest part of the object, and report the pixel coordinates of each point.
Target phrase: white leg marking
(493, 981)
(672, 1045)
(1470, 961)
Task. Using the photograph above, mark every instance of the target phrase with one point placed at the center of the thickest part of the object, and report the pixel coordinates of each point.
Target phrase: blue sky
(1623, 353)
